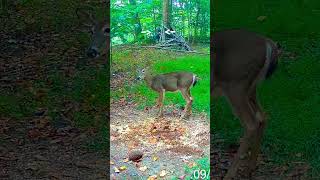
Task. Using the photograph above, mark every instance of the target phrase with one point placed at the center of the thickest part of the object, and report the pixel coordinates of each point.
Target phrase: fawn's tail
(195, 79)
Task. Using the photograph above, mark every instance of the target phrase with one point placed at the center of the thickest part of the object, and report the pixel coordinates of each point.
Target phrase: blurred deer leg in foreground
(240, 60)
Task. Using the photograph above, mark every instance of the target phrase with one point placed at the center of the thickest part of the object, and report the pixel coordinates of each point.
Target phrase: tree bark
(196, 22)
(137, 24)
(166, 13)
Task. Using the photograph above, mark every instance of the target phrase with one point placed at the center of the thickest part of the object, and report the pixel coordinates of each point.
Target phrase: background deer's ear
(85, 17)
(278, 45)
(279, 48)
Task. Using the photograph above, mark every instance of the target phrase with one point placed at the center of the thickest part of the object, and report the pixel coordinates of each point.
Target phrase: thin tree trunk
(183, 18)
(154, 20)
(137, 28)
(189, 21)
(165, 18)
(196, 22)
(165, 13)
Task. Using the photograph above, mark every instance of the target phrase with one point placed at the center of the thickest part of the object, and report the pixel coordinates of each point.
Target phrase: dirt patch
(168, 144)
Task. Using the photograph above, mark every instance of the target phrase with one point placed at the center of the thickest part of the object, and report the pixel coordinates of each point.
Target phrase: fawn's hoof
(184, 117)
(159, 116)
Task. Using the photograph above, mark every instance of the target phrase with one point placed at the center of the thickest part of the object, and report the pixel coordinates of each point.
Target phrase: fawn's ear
(279, 48)
(86, 17)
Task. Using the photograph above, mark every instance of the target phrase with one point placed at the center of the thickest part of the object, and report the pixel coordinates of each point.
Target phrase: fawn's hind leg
(185, 94)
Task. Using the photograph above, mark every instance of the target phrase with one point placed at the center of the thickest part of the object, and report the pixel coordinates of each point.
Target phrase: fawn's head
(141, 74)
(99, 31)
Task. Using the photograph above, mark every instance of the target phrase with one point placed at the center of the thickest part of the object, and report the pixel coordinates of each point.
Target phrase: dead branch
(169, 49)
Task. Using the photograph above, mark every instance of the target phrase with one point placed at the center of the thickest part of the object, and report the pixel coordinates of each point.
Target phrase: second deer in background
(99, 31)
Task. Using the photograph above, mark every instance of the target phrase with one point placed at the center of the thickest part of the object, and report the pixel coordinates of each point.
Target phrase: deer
(99, 33)
(240, 60)
(172, 82)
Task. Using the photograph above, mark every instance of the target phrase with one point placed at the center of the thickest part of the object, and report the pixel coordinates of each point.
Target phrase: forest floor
(36, 149)
(168, 144)
(39, 150)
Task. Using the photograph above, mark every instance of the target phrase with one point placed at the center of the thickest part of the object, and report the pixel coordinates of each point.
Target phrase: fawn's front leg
(161, 100)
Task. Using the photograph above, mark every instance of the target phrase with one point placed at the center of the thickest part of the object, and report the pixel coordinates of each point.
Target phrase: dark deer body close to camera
(241, 59)
(174, 81)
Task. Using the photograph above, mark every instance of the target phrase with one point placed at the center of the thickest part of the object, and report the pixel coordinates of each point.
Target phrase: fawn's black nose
(92, 53)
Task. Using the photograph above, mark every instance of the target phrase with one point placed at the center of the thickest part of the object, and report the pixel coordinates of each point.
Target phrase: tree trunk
(189, 21)
(196, 25)
(166, 13)
(137, 24)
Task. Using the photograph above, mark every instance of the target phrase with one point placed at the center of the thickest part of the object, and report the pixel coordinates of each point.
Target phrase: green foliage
(202, 169)
(291, 97)
(189, 18)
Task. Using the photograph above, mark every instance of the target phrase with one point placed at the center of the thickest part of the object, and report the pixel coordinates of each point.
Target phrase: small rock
(135, 155)
(143, 168)
(163, 173)
(116, 170)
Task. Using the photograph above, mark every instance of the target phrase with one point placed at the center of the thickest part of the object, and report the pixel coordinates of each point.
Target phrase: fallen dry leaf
(34, 134)
(122, 168)
(163, 173)
(126, 160)
(192, 164)
(116, 170)
(153, 140)
(153, 177)
(143, 168)
(111, 163)
(155, 158)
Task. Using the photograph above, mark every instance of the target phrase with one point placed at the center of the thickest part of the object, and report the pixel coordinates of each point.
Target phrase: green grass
(291, 97)
(144, 96)
(200, 171)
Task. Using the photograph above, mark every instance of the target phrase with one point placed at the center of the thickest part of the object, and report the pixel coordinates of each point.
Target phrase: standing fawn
(172, 82)
(240, 60)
